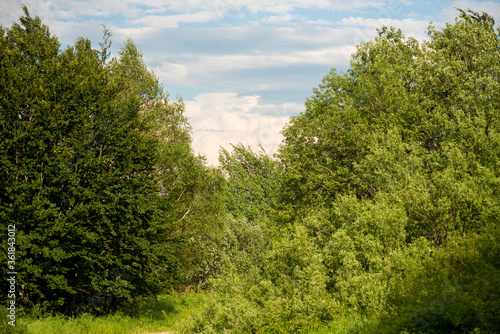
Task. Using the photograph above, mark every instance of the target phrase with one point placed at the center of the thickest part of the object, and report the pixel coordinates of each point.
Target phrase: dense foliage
(385, 200)
(382, 205)
(97, 174)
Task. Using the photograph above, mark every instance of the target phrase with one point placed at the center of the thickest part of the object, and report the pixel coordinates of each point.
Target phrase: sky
(242, 67)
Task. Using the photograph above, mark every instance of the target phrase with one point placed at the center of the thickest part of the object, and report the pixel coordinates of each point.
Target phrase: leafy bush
(457, 290)
(6, 328)
(281, 289)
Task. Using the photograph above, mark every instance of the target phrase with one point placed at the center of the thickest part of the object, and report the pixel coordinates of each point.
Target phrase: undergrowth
(144, 315)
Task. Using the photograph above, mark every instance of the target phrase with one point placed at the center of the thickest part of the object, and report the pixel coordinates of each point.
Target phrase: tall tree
(405, 115)
(91, 152)
(78, 174)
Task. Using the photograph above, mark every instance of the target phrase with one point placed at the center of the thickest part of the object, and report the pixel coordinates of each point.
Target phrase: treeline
(383, 203)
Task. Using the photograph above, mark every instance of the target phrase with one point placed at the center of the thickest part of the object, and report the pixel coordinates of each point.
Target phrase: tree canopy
(414, 119)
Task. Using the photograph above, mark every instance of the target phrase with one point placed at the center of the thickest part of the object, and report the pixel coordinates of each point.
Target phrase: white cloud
(215, 70)
(275, 6)
(409, 26)
(136, 9)
(283, 19)
(366, 22)
(219, 119)
(279, 9)
(64, 9)
(212, 58)
(491, 7)
(172, 21)
(10, 10)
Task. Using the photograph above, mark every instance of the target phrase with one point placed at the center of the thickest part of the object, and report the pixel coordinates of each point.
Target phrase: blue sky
(241, 66)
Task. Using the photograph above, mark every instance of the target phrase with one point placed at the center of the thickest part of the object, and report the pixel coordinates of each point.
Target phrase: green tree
(91, 151)
(189, 200)
(456, 290)
(403, 146)
(251, 181)
(413, 120)
(78, 178)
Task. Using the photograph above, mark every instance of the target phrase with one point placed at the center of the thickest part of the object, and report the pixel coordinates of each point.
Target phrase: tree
(401, 151)
(405, 115)
(251, 181)
(90, 154)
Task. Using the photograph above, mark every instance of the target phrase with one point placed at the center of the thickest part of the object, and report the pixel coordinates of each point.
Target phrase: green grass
(145, 315)
(344, 325)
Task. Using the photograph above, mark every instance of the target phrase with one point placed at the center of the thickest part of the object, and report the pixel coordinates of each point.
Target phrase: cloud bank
(222, 119)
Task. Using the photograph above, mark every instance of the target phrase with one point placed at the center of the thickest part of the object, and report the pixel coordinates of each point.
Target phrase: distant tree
(251, 181)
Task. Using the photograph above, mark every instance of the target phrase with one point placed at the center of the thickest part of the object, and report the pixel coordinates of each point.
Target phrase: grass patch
(166, 313)
(345, 325)
(145, 315)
